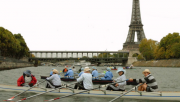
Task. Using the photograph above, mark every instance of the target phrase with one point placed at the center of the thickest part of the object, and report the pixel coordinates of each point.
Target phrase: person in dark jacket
(150, 84)
(27, 79)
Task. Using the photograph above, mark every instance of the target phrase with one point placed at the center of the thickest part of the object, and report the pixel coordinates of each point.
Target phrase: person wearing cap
(54, 81)
(70, 74)
(86, 78)
(108, 75)
(122, 79)
(51, 73)
(82, 71)
(150, 84)
(95, 73)
(27, 79)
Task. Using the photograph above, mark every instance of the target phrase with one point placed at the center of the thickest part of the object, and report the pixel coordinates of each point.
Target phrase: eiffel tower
(136, 27)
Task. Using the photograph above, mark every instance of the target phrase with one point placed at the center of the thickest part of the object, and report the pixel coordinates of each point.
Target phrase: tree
(147, 48)
(169, 47)
(12, 45)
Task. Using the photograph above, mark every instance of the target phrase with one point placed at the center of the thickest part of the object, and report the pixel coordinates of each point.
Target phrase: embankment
(158, 63)
(11, 65)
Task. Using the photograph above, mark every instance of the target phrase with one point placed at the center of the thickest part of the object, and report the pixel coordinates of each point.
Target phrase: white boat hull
(97, 93)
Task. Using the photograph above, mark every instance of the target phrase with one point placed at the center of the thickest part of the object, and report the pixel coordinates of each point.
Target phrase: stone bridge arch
(133, 52)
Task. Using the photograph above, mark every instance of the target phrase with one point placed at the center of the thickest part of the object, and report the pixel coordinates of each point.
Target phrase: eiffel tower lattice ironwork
(136, 27)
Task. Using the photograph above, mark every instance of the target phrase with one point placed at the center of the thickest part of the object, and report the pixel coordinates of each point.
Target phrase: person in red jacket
(27, 79)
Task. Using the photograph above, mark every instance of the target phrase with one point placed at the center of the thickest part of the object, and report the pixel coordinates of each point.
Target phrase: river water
(167, 78)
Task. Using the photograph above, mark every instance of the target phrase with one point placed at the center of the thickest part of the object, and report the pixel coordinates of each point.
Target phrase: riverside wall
(158, 63)
(12, 65)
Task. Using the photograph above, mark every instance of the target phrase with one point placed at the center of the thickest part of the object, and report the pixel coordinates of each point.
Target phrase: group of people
(85, 79)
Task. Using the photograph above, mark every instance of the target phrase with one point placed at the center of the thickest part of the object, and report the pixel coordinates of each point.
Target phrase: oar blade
(10, 99)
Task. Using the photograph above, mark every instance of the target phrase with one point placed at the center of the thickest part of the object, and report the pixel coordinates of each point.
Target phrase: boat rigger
(100, 93)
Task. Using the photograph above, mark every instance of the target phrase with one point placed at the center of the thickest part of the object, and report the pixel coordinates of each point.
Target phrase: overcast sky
(85, 25)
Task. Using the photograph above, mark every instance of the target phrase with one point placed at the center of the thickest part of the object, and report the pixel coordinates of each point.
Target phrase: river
(167, 78)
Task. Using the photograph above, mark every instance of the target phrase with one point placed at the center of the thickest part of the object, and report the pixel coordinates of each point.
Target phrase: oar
(101, 86)
(125, 93)
(24, 91)
(43, 93)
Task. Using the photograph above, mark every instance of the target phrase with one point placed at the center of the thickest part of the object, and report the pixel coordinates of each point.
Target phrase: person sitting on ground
(53, 81)
(82, 71)
(95, 73)
(108, 75)
(70, 74)
(150, 84)
(122, 79)
(85, 80)
(65, 70)
(27, 79)
(51, 73)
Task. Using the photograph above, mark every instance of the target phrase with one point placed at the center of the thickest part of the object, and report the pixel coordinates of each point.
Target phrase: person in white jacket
(54, 81)
(86, 78)
(122, 79)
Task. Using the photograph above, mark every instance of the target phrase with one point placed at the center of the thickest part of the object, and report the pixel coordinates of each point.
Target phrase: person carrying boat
(150, 84)
(82, 71)
(27, 79)
(65, 70)
(108, 75)
(85, 80)
(53, 81)
(95, 73)
(122, 79)
(70, 74)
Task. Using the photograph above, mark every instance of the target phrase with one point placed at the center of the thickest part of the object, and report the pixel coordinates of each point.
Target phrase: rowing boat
(95, 81)
(63, 79)
(175, 96)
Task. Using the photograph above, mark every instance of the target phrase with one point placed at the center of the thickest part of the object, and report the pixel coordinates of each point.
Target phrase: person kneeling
(53, 81)
(122, 79)
(150, 84)
(85, 80)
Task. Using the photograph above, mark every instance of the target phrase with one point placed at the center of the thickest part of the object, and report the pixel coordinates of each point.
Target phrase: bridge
(91, 56)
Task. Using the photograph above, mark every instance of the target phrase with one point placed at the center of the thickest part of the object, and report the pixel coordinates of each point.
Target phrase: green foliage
(104, 55)
(140, 57)
(84, 57)
(135, 55)
(94, 56)
(147, 48)
(12, 45)
(169, 47)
